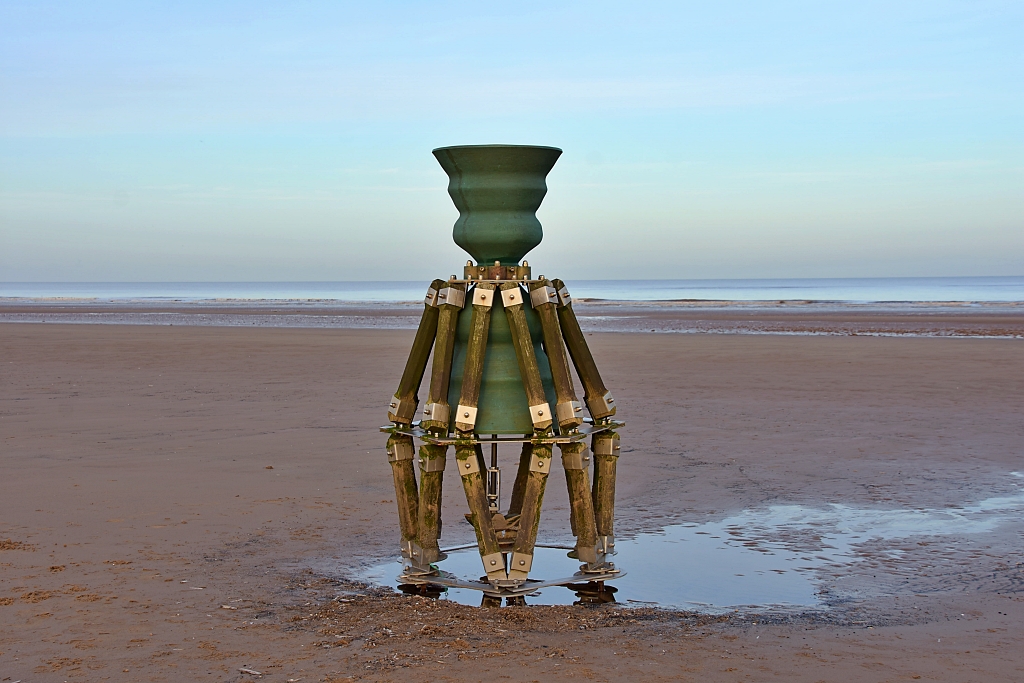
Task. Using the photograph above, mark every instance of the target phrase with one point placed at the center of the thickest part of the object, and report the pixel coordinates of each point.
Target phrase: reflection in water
(770, 556)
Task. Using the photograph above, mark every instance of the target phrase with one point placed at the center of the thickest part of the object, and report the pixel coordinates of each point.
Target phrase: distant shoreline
(1003, 320)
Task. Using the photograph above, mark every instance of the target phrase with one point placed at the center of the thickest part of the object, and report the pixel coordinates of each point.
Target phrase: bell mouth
(454, 147)
(497, 190)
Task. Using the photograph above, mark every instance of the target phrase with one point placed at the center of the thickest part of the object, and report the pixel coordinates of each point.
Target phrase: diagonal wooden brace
(599, 399)
(515, 504)
(469, 459)
(482, 297)
(402, 408)
(431, 460)
(568, 411)
(606, 455)
(437, 413)
(529, 370)
(401, 455)
(529, 520)
(576, 463)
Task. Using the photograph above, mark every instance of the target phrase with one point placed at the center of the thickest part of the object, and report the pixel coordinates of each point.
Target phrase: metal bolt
(468, 465)
(540, 412)
(465, 415)
(522, 562)
(494, 562)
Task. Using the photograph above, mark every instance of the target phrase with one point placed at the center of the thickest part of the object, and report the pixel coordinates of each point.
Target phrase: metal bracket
(401, 411)
(520, 566)
(602, 405)
(543, 295)
(452, 297)
(512, 297)
(605, 445)
(483, 297)
(465, 417)
(432, 464)
(468, 466)
(401, 450)
(494, 565)
(431, 298)
(563, 296)
(496, 272)
(541, 415)
(538, 464)
(437, 412)
(576, 461)
(568, 411)
(606, 545)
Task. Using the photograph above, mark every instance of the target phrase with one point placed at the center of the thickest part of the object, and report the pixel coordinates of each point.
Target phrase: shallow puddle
(774, 556)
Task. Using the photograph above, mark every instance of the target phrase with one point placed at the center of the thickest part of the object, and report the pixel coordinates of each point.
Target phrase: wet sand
(181, 503)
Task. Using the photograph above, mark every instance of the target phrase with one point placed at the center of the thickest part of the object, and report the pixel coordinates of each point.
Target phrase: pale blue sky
(291, 141)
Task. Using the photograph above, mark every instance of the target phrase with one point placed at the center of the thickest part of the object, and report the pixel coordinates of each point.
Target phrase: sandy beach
(196, 502)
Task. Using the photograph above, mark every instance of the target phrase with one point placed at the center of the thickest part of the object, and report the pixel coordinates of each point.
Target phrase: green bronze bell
(497, 190)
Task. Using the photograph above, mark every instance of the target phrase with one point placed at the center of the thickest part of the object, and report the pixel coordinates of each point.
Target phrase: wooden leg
(515, 505)
(401, 455)
(597, 396)
(432, 460)
(580, 500)
(529, 520)
(403, 405)
(468, 459)
(529, 370)
(469, 393)
(606, 454)
(568, 411)
(437, 413)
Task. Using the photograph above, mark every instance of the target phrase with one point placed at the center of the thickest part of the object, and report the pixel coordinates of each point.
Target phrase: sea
(835, 290)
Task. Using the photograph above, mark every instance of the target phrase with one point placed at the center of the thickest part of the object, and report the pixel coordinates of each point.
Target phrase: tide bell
(502, 343)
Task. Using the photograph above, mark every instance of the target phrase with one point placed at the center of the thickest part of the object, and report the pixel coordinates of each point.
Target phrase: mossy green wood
(503, 407)
(497, 190)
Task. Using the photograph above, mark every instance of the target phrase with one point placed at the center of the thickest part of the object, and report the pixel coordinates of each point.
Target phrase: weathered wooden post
(502, 343)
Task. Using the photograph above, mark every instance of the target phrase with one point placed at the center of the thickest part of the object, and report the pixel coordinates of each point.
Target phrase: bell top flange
(497, 190)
